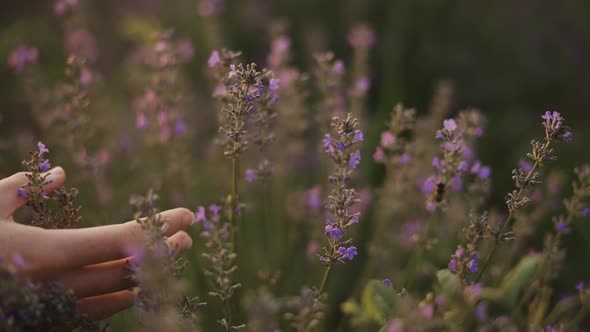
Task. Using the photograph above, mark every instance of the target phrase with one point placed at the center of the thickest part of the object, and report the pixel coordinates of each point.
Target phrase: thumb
(10, 200)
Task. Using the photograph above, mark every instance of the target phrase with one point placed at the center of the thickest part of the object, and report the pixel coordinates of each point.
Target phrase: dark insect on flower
(438, 193)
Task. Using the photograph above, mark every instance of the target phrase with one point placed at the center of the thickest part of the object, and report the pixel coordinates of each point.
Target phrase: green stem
(227, 315)
(578, 318)
(325, 278)
(509, 218)
(234, 200)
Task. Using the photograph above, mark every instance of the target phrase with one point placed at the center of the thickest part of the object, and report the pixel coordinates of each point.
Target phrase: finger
(113, 276)
(73, 248)
(9, 198)
(104, 306)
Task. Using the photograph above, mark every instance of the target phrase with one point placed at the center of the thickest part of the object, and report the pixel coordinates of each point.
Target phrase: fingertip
(56, 177)
(181, 241)
(182, 217)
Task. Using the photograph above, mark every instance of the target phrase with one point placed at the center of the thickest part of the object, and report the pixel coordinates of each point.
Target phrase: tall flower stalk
(342, 149)
(244, 85)
(555, 131)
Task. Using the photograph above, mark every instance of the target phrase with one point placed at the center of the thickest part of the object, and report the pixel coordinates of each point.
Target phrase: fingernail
(53, 174)
(187, 242)
(188, 219)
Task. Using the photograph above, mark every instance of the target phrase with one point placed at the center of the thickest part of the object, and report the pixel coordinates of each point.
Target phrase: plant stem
(234, 200)
(227, 315)
(509, 217)
(325, 278)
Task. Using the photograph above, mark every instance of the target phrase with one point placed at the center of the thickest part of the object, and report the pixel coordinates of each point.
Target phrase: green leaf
(377, 305)
(514, 283)
(449, 283)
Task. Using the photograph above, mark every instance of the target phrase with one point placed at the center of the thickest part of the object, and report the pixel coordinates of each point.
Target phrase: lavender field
(297, 165)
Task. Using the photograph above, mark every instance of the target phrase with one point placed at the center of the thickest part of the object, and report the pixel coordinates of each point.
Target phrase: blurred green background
(513, 60)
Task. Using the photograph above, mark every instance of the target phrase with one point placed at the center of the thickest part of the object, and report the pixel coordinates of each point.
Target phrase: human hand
(90, 261)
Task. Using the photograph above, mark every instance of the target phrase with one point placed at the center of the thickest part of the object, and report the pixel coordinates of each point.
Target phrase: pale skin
(90, 261)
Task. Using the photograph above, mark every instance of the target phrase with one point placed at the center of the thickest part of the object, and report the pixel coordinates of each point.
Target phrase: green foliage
(514, 283)
(378, 303)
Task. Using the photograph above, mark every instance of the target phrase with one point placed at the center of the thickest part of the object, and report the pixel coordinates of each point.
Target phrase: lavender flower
(250, 175)
(333, 232)
(21, 57)
(586, 212)
(342, 198)
(347, 253)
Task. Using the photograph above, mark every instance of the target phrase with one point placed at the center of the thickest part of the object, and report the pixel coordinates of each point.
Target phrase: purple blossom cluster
(160, 105)
(343, 152)
(21, 57)
(394, 143)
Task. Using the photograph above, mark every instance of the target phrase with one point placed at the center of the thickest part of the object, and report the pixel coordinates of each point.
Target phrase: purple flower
(273, 84)
(354, 160)
(141, 121)
(549, 328)
(428, 185)
(473, 265)
(379, 154)
(484, 172)
(355, 219)
(561, 226)
(404, 159)
(480, 311)
(214, 59)
(42, 148)
(233, 72)
(45, 165)
(21, 193)
(200, 215)
(450, 125)
(333, 232)
(362, 85)
(453, 266)
(567, 136)
(586, 212)
(358, 136)
(457, 183)
(314, 200)
(580, 286)
(387, 282)
(21, 57)
(525, 166)
(215, 209)
(463, 166)
(340, 146)
(387, 138)
(347, 253)
(250, 175)
(179, 128)
(327, 140)
(428, 311)
(339, 67)
(553, 120)
(436, 163)
(18, 261)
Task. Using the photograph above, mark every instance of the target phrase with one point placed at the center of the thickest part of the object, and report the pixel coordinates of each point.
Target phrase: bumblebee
(438, 193)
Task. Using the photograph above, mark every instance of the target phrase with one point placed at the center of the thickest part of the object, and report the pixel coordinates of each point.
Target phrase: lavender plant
(343, 152)
(161, 304)
(221, 257)
(65, 214)
(555, 131)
